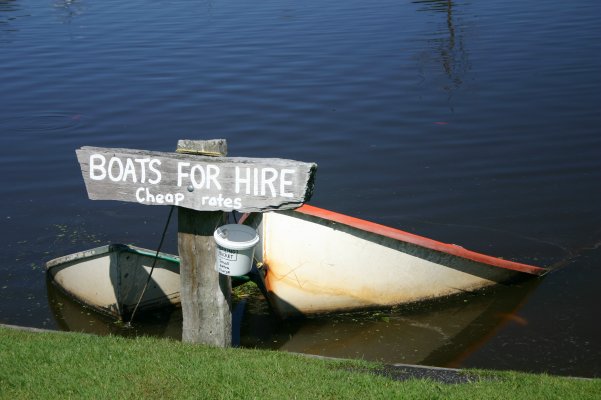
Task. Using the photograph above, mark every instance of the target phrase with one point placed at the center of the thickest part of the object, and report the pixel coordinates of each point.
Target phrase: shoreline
(396, 371)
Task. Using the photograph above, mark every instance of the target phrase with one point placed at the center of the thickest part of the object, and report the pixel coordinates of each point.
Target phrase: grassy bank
(54, 365)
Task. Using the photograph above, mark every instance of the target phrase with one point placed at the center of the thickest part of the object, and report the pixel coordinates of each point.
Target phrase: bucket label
(224, 267)
(227, 254)
(226, 259)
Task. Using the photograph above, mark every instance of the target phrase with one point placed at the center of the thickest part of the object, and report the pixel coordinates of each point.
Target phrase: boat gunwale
(107, 249)
(397, 234)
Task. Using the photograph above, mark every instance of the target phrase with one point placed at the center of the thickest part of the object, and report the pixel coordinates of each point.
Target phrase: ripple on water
(40, 123)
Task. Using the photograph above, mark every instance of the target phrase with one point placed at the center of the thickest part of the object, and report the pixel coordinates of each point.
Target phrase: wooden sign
(196, 182)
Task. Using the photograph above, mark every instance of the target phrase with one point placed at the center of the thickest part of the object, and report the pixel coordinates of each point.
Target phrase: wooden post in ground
(206, 295)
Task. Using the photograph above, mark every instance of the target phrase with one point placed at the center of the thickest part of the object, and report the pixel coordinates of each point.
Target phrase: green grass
(57, 365)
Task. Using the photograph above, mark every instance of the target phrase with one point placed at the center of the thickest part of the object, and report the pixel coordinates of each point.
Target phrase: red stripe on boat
(419, 240)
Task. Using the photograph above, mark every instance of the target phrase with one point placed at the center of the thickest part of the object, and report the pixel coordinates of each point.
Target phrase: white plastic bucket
(235, 249)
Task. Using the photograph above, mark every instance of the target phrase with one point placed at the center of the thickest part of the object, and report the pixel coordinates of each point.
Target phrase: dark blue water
(474, 123)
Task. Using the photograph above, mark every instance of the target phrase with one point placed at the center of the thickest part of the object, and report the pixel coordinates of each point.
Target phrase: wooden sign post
(203, 187)
(205, 294)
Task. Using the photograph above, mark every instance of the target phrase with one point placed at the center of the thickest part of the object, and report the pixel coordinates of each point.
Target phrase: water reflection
(441, 333)
(72, 316)
(448, 43)
(69, 9)
(10, 10)
(8, 5)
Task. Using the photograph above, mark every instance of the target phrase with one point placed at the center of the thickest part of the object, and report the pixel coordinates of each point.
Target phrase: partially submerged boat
(111, 278)
(319, 261)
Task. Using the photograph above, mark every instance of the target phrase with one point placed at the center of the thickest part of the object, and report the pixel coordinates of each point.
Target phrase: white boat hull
(317, 261)
(111, 278)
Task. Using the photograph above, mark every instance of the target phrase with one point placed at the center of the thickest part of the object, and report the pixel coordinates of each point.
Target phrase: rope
(156, 257)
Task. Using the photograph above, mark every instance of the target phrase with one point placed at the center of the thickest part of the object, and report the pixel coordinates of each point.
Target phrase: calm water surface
(474, 123)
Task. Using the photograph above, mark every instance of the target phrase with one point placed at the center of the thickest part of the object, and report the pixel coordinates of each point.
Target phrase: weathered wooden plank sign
(196, 182)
